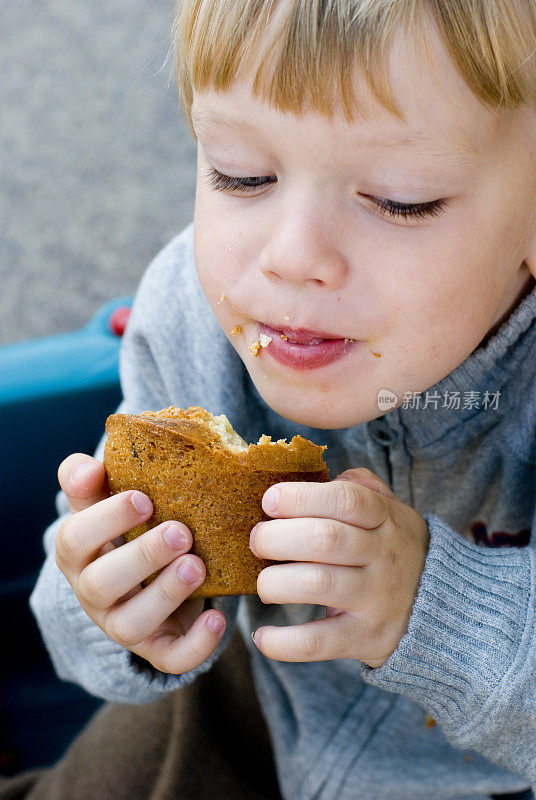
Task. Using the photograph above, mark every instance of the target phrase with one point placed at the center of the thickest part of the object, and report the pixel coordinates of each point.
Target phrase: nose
(302, 250)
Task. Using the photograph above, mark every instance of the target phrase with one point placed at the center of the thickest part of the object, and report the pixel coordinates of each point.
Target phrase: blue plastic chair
(55, 395)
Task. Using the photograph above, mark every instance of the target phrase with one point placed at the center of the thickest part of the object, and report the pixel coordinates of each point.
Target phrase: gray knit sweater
(464, 456)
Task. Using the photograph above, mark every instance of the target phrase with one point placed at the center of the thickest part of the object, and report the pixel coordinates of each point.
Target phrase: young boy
(366, 199)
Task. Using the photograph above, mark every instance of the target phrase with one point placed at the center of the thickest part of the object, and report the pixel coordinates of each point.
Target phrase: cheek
(441, 305)
(214, 259)
(221, 262)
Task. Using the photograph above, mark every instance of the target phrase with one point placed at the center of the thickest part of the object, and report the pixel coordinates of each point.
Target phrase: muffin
(196, 469)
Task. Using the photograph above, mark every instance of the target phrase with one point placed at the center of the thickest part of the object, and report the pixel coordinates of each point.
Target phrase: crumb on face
(236, 330)
(256, 346)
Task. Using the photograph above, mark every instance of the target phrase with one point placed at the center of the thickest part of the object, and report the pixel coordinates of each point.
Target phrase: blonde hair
(301, 51)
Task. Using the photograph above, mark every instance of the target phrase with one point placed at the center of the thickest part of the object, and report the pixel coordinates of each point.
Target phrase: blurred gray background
(97, 166)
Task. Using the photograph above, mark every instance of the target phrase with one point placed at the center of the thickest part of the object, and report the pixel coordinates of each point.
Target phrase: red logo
(482, 536)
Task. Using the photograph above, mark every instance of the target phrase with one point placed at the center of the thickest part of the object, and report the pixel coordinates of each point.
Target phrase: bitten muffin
(197, 470)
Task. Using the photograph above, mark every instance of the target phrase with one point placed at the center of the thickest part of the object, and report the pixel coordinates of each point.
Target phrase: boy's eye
(385, 206)
(226, 183)
(406, 210)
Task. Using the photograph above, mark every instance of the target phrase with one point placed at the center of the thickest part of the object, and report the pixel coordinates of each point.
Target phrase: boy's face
(368, 299)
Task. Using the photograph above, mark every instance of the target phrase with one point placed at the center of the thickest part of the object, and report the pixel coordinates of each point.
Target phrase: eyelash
(226, 183)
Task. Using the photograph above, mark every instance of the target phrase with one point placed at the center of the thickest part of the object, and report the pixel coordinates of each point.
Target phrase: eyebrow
(206, 118)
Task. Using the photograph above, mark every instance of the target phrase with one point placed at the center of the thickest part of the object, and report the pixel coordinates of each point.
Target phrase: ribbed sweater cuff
(112, 673)
(470, 631)
(83, 654)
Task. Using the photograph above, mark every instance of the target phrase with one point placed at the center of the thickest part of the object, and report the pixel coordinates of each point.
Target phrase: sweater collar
(467, 401)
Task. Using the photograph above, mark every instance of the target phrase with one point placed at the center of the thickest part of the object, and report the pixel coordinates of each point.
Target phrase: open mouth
(304, 349)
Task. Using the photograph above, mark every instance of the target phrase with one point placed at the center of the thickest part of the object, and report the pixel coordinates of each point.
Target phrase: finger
(321, 640)
(345, 501)
(104, 581)
(177, 654)
(135, 619)
(82, 479)
(367, 478)
(319, 584)
(181, 620)
(323, 541)
(81, 535)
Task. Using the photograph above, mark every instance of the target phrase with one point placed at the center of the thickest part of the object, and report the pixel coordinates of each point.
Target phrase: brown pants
(208, 741)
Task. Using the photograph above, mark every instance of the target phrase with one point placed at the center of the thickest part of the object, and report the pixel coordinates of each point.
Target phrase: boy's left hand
(357, 549)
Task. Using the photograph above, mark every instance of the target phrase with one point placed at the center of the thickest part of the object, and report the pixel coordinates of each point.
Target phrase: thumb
(82, 480)
(365, 477)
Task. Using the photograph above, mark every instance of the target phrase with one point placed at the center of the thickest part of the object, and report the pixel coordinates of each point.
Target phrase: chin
(324, 413)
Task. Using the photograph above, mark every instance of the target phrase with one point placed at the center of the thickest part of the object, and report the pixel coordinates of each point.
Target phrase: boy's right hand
(157, 622)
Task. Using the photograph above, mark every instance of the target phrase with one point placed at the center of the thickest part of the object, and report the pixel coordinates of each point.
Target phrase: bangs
(300, 54)
(303, 54)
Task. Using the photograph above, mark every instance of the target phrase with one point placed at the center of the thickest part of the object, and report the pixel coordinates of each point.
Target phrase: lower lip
(305, 355)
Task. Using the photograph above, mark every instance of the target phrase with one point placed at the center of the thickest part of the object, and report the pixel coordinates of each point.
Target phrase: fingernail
(256, 637)
(347, 475)
(269, 501)
(252, 541)
(141, 503)
(215, 623)
(82, 471)
(175, 537)
(188, 572)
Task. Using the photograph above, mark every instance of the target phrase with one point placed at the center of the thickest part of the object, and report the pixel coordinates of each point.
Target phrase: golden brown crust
(191, 476)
